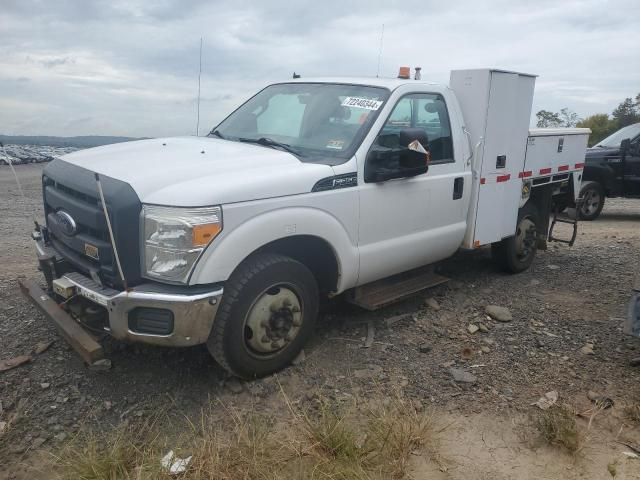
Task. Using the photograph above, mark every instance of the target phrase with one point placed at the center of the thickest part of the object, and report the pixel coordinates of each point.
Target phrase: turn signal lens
(203, 234)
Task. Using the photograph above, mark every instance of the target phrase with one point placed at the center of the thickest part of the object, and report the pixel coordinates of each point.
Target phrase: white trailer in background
(313, 187)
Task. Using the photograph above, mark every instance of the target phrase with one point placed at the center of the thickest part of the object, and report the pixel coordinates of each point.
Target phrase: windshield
(315, 121)
(615, 139)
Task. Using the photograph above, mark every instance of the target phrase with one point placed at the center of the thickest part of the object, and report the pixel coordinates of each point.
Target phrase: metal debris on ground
(14, 362)
(547, 401)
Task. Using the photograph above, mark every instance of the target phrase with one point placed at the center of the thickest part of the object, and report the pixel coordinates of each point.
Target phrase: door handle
(458, 188)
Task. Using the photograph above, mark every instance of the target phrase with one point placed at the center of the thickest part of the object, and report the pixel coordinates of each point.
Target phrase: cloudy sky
(117, 67)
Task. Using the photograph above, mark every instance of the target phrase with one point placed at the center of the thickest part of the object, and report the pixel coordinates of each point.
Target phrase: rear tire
(267, 314)
(592, 194)
(515, 254)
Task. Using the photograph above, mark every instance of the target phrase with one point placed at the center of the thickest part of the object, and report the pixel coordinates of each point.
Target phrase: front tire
(515, 254)
(267, 314)
(592, 196)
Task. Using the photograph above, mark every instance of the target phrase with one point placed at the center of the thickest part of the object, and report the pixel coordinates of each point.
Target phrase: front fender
(601, 173)
(225, 253)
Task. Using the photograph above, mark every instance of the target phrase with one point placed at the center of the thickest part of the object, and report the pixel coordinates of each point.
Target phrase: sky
(116, 67)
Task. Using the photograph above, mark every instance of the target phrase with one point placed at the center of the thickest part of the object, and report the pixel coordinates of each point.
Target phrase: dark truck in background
(612, 169)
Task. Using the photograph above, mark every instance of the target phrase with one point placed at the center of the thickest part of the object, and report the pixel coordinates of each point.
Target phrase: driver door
(409, 222)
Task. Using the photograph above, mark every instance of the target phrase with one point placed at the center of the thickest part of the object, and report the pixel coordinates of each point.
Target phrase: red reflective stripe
(483, 181)
(503, 178)
(579, 165)
(563, 168)
(525, 174)
(544, 171)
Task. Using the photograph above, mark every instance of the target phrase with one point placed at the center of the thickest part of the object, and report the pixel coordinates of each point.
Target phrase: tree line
(601, 124)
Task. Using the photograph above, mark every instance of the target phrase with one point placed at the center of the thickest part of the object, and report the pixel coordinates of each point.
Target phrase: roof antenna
(199, 75)
(380, 52)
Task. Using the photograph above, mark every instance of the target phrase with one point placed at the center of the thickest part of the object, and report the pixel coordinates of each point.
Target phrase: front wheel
(515, 254)
(592, 200)
(268, 312)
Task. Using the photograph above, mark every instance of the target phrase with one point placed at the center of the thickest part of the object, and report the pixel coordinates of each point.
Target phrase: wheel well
(599, 177)
(315, 253)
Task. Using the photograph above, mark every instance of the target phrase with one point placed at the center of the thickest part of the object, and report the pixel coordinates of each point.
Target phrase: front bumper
(193, 309)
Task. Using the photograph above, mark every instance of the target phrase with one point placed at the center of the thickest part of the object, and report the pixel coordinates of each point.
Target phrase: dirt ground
(571, 297)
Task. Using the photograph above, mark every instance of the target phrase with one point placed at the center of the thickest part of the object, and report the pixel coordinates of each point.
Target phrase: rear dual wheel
(267, 314)
(515, 254)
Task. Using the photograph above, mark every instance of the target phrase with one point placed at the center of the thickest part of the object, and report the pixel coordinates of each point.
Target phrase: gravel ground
(570, 298)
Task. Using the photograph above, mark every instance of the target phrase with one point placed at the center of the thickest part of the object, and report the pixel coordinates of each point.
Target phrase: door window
(426, 111)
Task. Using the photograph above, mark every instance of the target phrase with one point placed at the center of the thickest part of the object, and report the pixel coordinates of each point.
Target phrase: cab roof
(389, 83)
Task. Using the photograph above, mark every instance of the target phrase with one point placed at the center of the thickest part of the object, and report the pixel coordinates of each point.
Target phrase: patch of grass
(398, 431)
(327, 443)
(127, 452)
(557, 426)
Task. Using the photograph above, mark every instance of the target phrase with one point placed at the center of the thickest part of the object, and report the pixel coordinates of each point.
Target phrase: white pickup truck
(311, 188)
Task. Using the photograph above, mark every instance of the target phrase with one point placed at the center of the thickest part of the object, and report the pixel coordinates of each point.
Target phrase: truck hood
(601, 152)
(196, 171)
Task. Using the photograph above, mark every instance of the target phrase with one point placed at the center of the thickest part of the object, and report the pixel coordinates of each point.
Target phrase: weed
(558, 426)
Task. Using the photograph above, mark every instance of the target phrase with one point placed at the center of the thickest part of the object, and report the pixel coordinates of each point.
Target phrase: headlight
(174, 238)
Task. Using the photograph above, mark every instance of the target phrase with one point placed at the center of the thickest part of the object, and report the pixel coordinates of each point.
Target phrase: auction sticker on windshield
(358, 102)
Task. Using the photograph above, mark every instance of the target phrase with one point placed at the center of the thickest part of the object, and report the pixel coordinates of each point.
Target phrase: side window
(281, 117)
(428, 112)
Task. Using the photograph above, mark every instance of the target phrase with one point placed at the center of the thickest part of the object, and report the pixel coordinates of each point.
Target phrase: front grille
(73, 190)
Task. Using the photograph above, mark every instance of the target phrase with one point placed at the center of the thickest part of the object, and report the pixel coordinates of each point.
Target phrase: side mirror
(389, 159)
(624, 146)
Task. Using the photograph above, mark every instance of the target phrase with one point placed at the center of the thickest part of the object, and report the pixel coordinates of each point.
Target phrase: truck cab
(612, 169)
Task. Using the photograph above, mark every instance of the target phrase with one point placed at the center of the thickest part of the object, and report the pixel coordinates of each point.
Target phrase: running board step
(375, 295)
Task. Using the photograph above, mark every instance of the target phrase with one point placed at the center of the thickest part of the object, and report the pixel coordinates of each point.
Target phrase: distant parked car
(612, 169)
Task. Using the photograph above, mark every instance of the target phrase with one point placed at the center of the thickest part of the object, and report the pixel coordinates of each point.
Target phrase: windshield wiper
(217, 134)
(268, 142)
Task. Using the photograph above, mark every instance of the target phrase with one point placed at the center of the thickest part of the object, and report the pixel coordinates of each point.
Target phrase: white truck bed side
(554, 155)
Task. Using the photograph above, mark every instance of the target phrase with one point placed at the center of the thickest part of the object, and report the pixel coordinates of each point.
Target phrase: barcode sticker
(365, 103)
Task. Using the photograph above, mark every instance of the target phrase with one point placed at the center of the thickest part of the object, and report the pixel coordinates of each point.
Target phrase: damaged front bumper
(151, 313)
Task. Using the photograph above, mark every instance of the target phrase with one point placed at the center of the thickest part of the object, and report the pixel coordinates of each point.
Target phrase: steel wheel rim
(591, 202)
(273, 321)
(526, 234)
